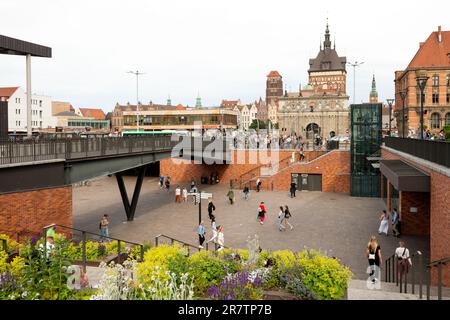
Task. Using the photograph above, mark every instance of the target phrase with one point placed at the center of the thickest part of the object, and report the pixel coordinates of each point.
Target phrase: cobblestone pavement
(337, 224)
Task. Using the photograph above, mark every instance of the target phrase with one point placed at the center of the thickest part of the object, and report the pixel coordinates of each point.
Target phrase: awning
(405, 177)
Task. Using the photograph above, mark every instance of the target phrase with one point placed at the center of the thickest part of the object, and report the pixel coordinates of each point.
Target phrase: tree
(254, 125)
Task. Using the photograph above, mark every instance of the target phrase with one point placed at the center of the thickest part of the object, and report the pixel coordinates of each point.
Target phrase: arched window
(435, 121)
(447, 119)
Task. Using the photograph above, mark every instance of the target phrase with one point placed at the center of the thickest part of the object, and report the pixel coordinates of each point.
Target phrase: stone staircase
(358, 290)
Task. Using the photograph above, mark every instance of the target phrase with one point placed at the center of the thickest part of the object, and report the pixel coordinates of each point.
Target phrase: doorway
(307, 182)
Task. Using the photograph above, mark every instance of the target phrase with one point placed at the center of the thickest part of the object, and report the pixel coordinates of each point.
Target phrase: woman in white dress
(384, 224)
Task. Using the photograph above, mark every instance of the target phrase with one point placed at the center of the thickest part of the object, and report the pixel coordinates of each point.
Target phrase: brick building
(433, 60)
(417, 182)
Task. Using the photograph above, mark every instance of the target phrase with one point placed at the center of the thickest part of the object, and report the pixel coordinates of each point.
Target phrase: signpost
(198, 196)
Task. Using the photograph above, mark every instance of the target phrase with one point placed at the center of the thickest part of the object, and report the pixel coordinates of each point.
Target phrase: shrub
(323, 275)
(207, 270)
(291, 278)
(157, 259)
(11, 245)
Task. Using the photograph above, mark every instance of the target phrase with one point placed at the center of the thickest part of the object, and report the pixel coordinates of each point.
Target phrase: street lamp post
(403, 95)
(390, 103)
(354, 65)
(137, 74)
(421, 79)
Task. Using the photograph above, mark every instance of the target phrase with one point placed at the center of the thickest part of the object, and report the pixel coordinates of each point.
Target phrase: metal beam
(131, 209)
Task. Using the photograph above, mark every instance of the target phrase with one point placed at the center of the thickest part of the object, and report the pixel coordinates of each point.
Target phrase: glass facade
(92, 123)
(175, 120)
(365, 142)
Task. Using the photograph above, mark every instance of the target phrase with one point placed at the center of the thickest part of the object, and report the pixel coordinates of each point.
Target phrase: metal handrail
(173, 240)
(438, 263)
(84, 239)
(434, 263)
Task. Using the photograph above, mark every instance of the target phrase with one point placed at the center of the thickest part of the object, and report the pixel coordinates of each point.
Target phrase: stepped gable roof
(7, 91)
(434, 52)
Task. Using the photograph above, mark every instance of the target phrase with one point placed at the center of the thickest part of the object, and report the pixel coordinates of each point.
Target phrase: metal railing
(84, 235)
(431, 150)
(183, 244)
(47, 149)
(419, 274)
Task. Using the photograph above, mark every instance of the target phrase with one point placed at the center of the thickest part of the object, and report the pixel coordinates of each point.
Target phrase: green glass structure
(365, 145)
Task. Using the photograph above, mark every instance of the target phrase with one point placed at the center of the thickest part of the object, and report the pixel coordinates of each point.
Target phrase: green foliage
(156, 260)
(207, 270)
(323, 275)
(11, 245)
(447, 132)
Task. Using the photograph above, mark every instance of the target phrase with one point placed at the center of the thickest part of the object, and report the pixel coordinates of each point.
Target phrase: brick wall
(29, 212)
(439, 214)
(334, 167)
(417, 223)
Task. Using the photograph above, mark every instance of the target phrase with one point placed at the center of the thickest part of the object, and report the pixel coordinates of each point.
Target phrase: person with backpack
(403, 260)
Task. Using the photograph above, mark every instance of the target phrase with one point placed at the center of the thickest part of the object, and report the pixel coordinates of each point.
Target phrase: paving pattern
(337, 224)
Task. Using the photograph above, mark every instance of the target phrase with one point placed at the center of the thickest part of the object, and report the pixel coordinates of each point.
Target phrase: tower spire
(327, 42)
(373, 93)
(198, 101)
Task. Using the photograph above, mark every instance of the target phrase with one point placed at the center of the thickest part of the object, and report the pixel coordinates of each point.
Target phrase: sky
(218, 49)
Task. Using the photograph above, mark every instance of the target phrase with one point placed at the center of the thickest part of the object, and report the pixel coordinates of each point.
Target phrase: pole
(28, 71)
(354, 83)
(421, 112)
(137, 98)
(200, 209)
(403, 120)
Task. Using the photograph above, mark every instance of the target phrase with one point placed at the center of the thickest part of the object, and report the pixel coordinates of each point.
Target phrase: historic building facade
(432, 60)
(321, 107)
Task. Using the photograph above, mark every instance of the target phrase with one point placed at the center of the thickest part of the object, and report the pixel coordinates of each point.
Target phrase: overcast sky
(222, 49)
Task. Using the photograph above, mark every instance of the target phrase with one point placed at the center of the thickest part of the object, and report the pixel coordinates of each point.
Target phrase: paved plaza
(335, 223)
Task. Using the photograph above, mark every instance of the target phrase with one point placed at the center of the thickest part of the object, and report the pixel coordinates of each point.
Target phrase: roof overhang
(22, 48)
(405, 177)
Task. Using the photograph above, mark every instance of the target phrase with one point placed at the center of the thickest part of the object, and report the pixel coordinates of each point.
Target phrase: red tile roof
(7, 92)
(181, 107)
(97, 114)
(433, 53)
(273, 74)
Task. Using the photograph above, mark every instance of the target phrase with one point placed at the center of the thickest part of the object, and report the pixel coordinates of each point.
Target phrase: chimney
(439, 34)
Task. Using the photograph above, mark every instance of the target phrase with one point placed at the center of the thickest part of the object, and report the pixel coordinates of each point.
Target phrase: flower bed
(167, 272)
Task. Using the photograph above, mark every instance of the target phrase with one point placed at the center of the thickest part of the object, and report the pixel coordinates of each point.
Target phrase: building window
(435, 81)
(435, 95)
(447, 119)
(418, 95)
(435, 121)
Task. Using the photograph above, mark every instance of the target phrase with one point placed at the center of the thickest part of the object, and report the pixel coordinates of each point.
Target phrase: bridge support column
(130, 209)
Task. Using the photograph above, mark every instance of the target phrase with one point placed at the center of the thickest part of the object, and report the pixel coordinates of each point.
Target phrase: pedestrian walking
(230, 196)
(161, 181)
(192, 184)
(287, 216)
(261, 213)
(403, 260)
(395, 222)
(184, 193)
(104, 226)
(293, 189)
(218, 238)
(178, 194)
(201, 234)
(167, 183)
(213, 224)
(384, 224)
(211, 208)
(280, 219)
(246, 192)
(258, 185)
(373, 254)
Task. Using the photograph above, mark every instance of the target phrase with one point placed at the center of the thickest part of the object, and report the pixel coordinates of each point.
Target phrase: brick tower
(274, 87)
